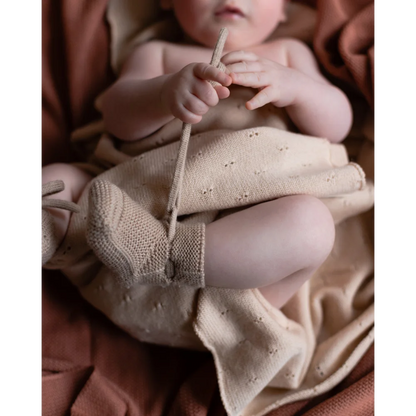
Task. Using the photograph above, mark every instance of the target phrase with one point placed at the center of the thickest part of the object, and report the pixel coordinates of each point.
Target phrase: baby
(277, 245)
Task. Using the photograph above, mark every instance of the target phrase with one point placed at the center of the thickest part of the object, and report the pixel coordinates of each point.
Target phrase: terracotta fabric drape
(75, 69)
(91, 367)
(344, 42)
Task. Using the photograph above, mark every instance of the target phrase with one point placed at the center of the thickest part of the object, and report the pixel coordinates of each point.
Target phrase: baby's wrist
(165, 90)
(301, 89)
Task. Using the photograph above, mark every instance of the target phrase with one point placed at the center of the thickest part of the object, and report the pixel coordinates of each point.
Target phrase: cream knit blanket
(264, 357)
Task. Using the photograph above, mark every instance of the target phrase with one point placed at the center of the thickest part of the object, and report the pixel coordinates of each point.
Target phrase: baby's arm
(316, 107)
(144, 98)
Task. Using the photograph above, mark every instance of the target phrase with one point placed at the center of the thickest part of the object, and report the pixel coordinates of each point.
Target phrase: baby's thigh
(267, 242)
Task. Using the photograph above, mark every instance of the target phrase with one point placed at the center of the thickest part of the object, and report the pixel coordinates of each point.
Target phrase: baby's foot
(134, 245)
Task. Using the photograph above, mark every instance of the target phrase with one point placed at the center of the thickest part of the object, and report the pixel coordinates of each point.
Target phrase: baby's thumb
(223, 92)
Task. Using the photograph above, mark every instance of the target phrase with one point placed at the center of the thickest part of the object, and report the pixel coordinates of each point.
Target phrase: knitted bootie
(50, 242)
(134, 245)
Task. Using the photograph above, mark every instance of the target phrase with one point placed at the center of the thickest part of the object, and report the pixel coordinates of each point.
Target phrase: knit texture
(49, 241)
(230, 170)
(134, 245)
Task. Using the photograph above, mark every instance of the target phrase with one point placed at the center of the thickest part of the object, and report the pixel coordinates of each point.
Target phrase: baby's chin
(231, 44)
(236, 43)
(235, 40)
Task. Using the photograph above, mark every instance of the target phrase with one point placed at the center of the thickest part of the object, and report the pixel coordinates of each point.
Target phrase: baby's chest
(177, 57)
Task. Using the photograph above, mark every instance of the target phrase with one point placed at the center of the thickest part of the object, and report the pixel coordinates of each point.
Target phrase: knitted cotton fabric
(134, 245)
(49, 241)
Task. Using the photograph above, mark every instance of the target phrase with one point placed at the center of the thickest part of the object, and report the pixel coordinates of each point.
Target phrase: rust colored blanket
(90, 366)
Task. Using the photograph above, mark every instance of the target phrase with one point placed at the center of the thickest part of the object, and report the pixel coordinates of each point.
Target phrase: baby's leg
(75, 181)
(275, 246)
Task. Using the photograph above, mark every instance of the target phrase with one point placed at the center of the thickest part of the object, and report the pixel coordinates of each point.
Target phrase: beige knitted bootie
(50, 242)
(134, 245)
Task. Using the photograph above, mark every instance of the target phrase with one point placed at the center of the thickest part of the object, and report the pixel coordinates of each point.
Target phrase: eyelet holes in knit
(330, 177)
(252, 380)
(195, 155)
(273, 351)
(244, 197)
(282, 148)
(319, 370)
(66, 250)
(207, 191)
(260, 172)
(229, 164)
(253, 134)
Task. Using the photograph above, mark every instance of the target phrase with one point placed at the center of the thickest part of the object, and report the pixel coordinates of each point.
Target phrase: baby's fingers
(263, 97)
(251, 79)
(245, 66)
(210, 73)
(238, 56)
(223, 92)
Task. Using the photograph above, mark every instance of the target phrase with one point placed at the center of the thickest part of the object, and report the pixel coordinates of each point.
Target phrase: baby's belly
(230, 114)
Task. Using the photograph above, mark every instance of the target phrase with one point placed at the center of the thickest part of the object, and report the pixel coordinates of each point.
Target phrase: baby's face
(249, 22)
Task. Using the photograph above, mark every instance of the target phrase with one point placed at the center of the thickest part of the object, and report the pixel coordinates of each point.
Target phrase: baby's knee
(315, 226)
(74, 178)
(55, 171)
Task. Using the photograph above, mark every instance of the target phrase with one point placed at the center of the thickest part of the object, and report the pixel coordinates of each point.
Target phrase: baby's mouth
(229, 12)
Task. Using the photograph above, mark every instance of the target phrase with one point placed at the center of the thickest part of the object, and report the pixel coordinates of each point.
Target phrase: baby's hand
(277, 83)
(188, 95)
